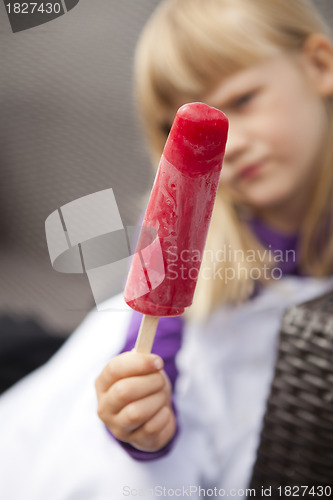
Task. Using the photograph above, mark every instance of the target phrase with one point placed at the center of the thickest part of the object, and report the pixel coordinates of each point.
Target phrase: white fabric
(227, 367)
(54, 447)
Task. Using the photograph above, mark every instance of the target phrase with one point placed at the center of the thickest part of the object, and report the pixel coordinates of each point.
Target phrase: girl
(269, 67)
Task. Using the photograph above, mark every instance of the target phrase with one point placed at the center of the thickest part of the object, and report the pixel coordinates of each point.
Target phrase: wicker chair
(296, 446)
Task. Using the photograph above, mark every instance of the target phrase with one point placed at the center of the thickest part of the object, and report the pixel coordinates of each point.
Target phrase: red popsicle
(164, 270)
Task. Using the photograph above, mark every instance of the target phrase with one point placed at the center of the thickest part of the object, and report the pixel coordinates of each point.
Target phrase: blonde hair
(185, 50)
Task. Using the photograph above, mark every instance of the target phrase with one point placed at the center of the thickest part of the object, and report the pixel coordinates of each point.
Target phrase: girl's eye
(243, 100)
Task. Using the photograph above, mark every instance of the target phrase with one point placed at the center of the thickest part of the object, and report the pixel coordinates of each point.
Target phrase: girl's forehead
(243, 79)
(187, 79)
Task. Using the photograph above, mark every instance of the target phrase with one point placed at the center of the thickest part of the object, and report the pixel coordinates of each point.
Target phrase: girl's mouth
(250, 171)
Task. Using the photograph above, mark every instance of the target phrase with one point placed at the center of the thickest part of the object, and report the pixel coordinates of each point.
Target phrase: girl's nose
(236, 144)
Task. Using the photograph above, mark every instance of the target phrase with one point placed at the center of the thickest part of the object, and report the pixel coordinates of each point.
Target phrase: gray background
(67, 129)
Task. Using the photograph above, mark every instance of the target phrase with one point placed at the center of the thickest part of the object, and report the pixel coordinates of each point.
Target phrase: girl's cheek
(276, 132)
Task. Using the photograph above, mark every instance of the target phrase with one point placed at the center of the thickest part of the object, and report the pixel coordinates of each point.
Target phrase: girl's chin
(265, 197)
(260, 197)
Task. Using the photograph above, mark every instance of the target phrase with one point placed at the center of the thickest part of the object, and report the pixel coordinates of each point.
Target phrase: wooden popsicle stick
(146, 335)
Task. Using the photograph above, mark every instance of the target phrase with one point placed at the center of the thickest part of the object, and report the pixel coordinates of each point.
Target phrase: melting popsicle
(164, 270)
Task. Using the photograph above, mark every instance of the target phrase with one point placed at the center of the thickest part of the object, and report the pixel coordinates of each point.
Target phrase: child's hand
(134, 400)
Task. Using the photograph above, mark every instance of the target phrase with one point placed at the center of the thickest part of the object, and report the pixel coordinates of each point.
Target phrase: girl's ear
(318, 58)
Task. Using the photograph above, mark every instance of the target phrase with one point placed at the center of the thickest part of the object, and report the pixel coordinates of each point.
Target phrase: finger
(127, 364)
(154, 425)
(125, 391)
(168, 386)
(136, 414)
(156, 433)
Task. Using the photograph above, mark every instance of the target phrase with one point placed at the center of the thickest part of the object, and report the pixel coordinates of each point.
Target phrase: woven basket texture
(296, 445)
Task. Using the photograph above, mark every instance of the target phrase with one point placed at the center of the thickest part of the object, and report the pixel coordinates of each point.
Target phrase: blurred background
(68, 128)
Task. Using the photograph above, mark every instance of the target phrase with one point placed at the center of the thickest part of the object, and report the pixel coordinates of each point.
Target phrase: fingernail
(158, 363)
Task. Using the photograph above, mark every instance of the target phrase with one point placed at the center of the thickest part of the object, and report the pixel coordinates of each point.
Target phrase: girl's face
(277, 125)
